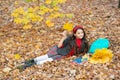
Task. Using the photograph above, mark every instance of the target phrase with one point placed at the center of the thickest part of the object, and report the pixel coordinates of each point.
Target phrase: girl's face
(79, 34)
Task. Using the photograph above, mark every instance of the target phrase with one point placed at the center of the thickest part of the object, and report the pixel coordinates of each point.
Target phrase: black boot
(29, 61)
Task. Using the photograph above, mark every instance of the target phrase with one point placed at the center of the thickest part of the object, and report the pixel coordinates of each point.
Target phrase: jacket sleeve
(65, 42)
(64, 50)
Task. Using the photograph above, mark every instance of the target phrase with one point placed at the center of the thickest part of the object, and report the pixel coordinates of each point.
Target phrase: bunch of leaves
(101, 56)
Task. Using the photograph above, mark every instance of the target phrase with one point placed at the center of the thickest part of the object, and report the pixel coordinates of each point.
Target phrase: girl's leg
(55, 57)
(51, 53)
(40, 58)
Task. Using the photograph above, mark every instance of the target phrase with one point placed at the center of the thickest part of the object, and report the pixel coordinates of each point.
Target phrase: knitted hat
(76, 28)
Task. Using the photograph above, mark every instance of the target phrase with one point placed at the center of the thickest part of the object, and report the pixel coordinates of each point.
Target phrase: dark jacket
(68, 45)
(66, 48)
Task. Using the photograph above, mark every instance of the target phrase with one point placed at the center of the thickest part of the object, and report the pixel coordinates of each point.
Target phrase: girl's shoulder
(69, 38)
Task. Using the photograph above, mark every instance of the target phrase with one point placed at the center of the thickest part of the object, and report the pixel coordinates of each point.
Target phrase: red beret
(76, 28)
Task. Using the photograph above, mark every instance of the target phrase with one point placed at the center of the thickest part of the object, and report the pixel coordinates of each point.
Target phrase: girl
(68, 46)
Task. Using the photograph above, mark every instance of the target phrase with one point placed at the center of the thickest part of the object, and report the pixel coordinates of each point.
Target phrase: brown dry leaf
(7, 69)
(78, 76)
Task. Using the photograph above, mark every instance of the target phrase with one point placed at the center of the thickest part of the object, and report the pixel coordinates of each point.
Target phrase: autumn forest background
(28, 28)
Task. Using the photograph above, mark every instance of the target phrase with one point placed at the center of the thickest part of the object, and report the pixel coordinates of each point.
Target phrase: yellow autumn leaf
(49, 23)
(70, 15)
(15, 15)
(36, 18)
(19, 10)
(48, 1)
(61, 1)
(17, 56)
(56, 8)
(36, 8)
(44, 10)
(42, 7)
(41, 12)
(18, 20)
(54, 3)
(54, 15)
(25, 21)
(30, 10)
(62, 15)
(34, 0)
(30, 15)
(27, 26)
(68, 26)
(16, 2)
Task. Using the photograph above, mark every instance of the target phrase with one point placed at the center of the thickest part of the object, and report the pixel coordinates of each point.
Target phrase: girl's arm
(64, 34)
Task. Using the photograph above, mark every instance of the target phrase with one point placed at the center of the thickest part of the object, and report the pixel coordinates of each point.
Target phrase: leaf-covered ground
(100, 18)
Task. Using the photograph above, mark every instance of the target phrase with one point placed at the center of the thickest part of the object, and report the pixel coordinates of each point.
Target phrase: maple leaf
(68, 26)
(17, 56)
(49, 23)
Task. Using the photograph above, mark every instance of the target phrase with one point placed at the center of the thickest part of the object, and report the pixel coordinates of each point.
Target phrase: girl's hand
(64, 34)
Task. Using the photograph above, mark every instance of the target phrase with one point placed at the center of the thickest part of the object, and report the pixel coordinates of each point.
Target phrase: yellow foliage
(37, 13)
(15, 15)
(17, 56)
(25, 21)
(61, 1)
(44, 10)
(41, 12)
(18, 20)
(34, 0)
(27, 26)
(56, 8)
(62, 15)
(49, 23)
(54, 15)
(70, 15)
(42, 7)
(36, 18)
(48, 1)
(68, 26)
(30, 10)
(30, 15)
(101, 56)
(19, 10)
